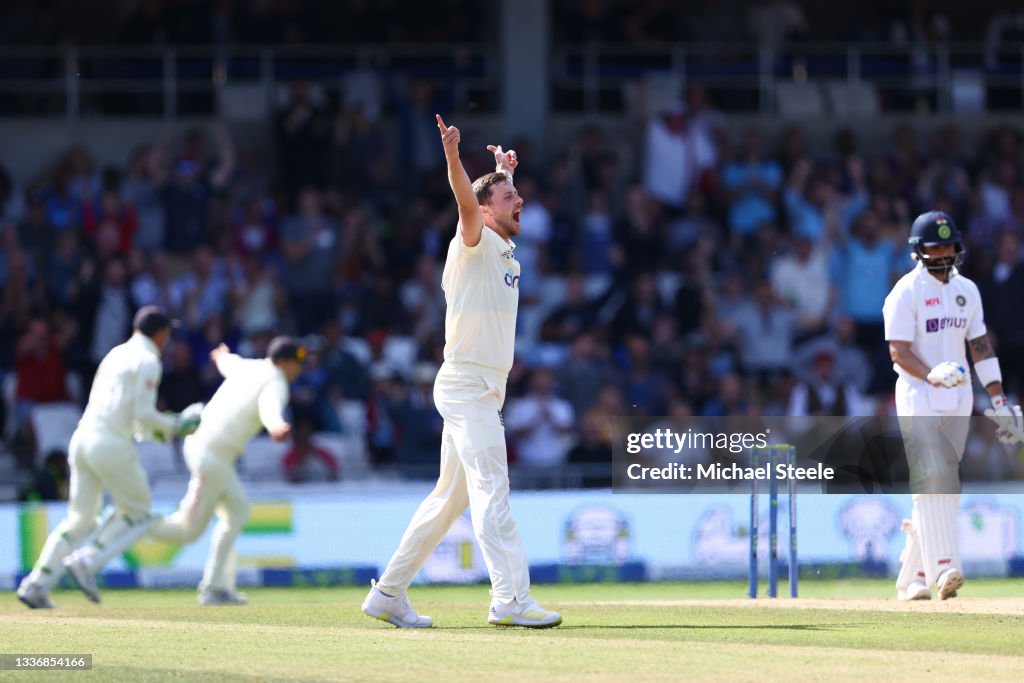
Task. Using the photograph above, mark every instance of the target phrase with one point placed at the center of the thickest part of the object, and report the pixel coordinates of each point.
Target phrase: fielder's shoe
(528, 614)
(948, 584)
(213, 597)
(915, 591)
(81, 571)
(34, 595)
(393, 609)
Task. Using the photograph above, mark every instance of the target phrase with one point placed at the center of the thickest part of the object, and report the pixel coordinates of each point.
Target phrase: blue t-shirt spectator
(808, 220)
(864, 273)
(748, 181)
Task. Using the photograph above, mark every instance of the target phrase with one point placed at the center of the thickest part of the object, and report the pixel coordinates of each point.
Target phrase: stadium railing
(744, 77)
(179, 80)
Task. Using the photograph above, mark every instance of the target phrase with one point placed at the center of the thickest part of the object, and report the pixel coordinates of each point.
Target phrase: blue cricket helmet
(932, 229)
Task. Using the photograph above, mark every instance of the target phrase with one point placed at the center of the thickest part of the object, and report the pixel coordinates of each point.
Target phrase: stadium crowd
(694, 268)
(698, 270)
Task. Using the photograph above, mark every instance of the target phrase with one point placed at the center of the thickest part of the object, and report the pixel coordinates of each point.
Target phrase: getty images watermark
(663, 439)
(824, 454)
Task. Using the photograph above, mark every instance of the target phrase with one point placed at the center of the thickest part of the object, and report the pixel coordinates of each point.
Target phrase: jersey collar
(147, 343)
(277, 369)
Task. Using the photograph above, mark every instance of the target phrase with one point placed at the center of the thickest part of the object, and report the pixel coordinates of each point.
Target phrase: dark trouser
(311, 309)
(1011, 363)
(871, 338)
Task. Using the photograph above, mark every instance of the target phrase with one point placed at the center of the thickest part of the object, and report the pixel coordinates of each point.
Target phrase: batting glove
(1008, 418)
(948, 374)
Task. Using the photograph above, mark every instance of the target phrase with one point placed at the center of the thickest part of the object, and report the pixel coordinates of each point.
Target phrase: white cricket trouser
(214, 488)
(99, 461)
(474, 472)
(934, 445)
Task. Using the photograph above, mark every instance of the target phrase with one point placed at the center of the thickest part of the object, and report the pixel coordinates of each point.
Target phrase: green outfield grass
(839, 630)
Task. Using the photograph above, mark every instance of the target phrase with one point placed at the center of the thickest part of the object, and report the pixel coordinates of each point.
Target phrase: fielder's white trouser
(214, 488)
(99, 461)
(935, 441)
(474, 472)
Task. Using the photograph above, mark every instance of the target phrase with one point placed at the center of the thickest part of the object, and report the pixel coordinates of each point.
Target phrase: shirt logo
(961, 300)
(931, 302)
(508, 254)
(511, 279)
(936, 324)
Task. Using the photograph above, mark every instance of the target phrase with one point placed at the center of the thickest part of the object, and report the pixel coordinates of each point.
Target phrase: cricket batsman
(122, 403)
(253, 396)
(929, 314)
(481, 286)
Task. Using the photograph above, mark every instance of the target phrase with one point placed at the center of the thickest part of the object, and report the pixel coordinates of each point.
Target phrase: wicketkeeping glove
(1008, 418)
(188, 420)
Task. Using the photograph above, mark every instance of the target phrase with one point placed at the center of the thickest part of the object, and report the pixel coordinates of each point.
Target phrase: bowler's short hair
(482, 185)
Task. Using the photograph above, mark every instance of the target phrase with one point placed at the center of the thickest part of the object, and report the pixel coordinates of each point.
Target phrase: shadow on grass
(697, 627)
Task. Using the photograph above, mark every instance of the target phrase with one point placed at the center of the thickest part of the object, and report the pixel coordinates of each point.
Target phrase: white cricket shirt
(936, 317)
(481, 288)
(254, 395)
(123, 394)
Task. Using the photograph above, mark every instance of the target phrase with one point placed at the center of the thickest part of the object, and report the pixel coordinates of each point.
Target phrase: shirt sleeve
(561, 411)
(900, 316)
(228, 363)
(474, 250)
(272, 401)
(855, 206)
(147, 380)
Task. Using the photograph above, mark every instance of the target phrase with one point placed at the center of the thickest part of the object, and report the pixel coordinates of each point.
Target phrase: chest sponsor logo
(511, 279)
(939, 324)
(931, 302)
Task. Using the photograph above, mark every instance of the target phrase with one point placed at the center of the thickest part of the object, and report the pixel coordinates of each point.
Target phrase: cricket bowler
(481, 287)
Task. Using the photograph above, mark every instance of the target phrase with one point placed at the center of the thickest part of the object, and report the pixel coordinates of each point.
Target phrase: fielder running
(481, 286)
(254, 395)
(929, 315)
(122, 403)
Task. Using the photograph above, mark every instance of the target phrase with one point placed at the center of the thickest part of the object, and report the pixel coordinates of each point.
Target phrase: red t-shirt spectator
(40, 368)
(109, 207)
(296, 461)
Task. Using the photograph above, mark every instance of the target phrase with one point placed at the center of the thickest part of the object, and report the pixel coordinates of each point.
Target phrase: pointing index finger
(440, 124)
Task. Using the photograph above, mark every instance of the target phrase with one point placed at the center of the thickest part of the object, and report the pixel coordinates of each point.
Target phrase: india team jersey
(254, 395)
(481, 288)
(123, 394)
(936, 317)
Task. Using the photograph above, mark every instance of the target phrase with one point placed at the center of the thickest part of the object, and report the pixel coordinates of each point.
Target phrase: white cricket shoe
(81, 571)
(34, 595)
(213, 597)
(528, 614)
(915, 591)
(948, 584)
(393, 609)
